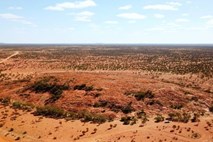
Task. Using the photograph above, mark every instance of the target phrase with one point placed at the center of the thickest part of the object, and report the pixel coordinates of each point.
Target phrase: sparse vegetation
(50, 111)
(5, 101)
(84, 116)
(128, 120)
(48, 85)
(83, 87)
(159, 118)
(177, 106)
(22, 106)
(141, 95)
(179, 117)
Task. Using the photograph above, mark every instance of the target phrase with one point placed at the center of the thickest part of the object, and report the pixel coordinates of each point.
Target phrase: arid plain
(106, 93)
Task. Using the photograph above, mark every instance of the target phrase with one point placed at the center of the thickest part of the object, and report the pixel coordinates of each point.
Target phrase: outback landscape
(106, 93)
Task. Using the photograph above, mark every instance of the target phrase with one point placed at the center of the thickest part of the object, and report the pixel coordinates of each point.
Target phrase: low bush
(142, 115)
(127, 108)
(141, 95)
(44, 85)
(83, 87)
(5, 101)
(176, 106)
(128, 120)
(22, 106)
(84, 116)
(159, 118)
(101, 103)
(179, 117)
(50, 111)
(195, 117)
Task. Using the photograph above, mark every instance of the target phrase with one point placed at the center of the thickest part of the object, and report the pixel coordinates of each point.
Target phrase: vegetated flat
(95, 93)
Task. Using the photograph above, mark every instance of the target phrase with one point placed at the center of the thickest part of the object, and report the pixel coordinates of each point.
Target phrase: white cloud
(125, 7)
(15, 8)
(210, 22)
(188, 2)
(167, 6)
(72, 5)
(111, 22)
(207, 17)
(132, 21)
(132, 16)
(185, 14)
(182, 20)
(159, 16)
(156, 29)
(71, 29)
(84, 16)
(16, 18)
(174, 3)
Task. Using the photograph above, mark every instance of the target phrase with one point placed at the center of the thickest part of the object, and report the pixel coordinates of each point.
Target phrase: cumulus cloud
(207, 17)
(182, 20)
(71, 5)
(167, 6)
(111, 22)
(132, 16)
(159, 16)
(210, 22)
(15, 8)
(16, 18)
(84, 16)
(125, 7)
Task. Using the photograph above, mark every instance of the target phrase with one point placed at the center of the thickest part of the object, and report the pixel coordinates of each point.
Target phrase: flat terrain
(106, 93)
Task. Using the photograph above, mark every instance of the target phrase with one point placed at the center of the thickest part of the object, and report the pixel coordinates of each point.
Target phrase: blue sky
(106, 21)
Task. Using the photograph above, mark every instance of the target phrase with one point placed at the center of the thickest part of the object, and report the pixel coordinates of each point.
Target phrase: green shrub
(141, 95)
(195, 117)
(22, 106)
(179, 117)
(176, 106)
(159, 118)
(128, 120)
(50, 111)
(5, 101)
(101, 103)
(43, 86)
(83, 87)
(127, 109)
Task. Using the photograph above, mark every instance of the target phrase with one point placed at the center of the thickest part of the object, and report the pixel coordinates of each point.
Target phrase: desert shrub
(99, 119)
(211, 108)
(159, 118)
(176, 106)
(101, 103)
(83, 87)
(50, 111)
(54, 89)
(22, 106)
(179, 117)
(86, 116)
(185, 117)
(114, 106)
(142, 115)
(127, 108)
(141, 95)
(128, 120)
(195, 117)
(153, 102)
(5, 101)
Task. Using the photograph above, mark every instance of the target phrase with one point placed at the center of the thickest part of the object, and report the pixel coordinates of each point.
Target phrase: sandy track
(14, 54)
